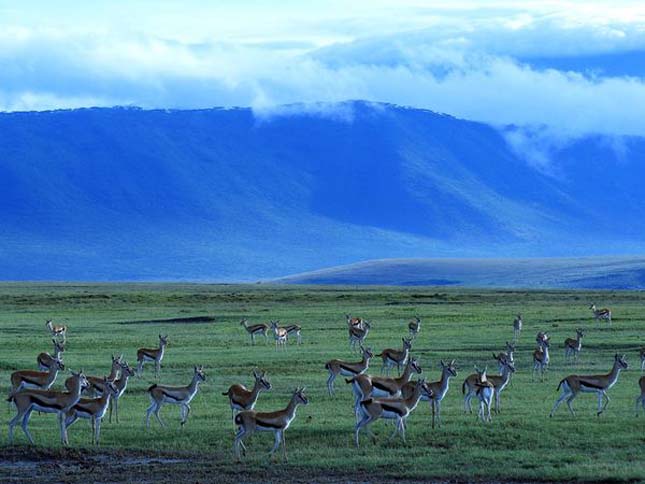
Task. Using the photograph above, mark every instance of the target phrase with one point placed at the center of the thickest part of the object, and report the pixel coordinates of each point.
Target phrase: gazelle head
(80, 377)
(116, 362)
(126, 369)
(502, 360)
(244, 322)
(274, 324)
(414, 364)
(163, 340)
(580, 333)
(592, 307)
(510, 347)
(59, 347)
(109, 386)
(367, 352)
(481, 374)
(300, 397)
(261, 380)
(407, 343)
(199, 372)
(450, 368)
(620, 360)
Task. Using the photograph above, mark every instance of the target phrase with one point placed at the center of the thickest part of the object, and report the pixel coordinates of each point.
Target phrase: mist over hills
(221, 194)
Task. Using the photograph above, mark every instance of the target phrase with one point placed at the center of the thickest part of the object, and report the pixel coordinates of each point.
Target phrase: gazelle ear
(452, 363)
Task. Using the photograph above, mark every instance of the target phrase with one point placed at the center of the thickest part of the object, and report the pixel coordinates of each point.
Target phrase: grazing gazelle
(97, 383)
(46, 401)
(45, 360)
(121, 384)
(160, 394)
(57, 331)
(241, 398)
(366, 386)
(250, 421)
(280, 335)
(439, 390)
(340, 367)
(572, 346)
(152, 354)
(599, 384)
(517, 327)
(414, 326)
(256, 330)
(541, 357)
(93, 409)
(398, 409)
(392, 357)
(640, 401)
(358, 333)
(603, 313)
(36, 379)
(499, 382)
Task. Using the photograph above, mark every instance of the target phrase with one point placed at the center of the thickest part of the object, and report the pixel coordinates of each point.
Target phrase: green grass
(520, 444)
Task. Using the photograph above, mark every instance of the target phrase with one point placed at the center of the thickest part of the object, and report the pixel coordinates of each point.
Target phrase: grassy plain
(522, 444)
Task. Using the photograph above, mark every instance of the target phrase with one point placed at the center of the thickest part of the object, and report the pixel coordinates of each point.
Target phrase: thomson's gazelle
(603, 313)
(340, 367)
(280, 335)
(256, 330)
(640, 401)
(439, 390)
(392, 357)
(414, 326)
(500, 382)
(541, 357)
(517, 327)
(642, 356)
(36, 379)
(93, 409)
(599, 384)
(250, 421)
(97, 383)
(241, 398)
(294, 329)
(46, 401)
(45, 360)
(358, 333)
(572, 346)
(57, 331)
(398, 409)
(121, 383)
(160, 394)
(152, 354)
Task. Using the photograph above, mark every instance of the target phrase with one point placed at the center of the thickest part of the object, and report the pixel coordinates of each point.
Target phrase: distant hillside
(587, 273)
(129, 194)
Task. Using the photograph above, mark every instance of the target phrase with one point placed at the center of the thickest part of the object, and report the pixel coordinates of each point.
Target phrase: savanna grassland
(202, 321)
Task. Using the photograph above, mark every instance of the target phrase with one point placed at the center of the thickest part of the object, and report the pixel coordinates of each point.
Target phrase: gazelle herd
(375, 396)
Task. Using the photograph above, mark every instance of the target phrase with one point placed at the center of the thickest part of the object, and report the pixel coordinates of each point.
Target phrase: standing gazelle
(256, 330)
(509, 355)
(640, 401)
(398, 409)
(46, 401)
(572, 346)
(56, 330)
(97, 384)
(93, 409)
(45, 360)
(499, 382)
(517, 327)
(121, 383)
(250, 421)
(241, 398)
(358, 333)
(599, 384)
(160, 394)
(541, 357)
(603, 313)
(642, 356)
(414, 327)
(152, 354)
(439, 390)
(280, 335)
(340, 367)
(392, 357)
(294, 329)
(36, 379)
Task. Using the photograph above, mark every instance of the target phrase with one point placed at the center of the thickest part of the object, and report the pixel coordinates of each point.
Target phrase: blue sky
(567, 68)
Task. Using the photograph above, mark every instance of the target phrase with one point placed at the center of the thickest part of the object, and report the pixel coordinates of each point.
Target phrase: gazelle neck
(291, 408)
(194, 384)
(613, 374)
(413, 400)
(255, 391)
(407, 373)
(445, 380)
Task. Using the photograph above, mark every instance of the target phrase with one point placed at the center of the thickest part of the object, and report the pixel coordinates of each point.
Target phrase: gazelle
(641, 398)
(509, 355)
(121, 383)
(152, 354)
(603, 313)
(45, 360)
(294, 329)
(541, 357)
(241, 398)
(358, 333)
(599, 384)
(351, 321)
(500, 382)
(517, 327)
(56, 330)
(485, 393)
(414, 326)
(46, 401)
(160, 394)
(256, 330)
(250, 421)
(366, 386)
(393, 357)
(640, 401)
(42, 380)
(97, 383)
(93, 409)
(280, 335)
(642, 355)
(439, 390)
(572, 346)
(340, 367)
(398, 409)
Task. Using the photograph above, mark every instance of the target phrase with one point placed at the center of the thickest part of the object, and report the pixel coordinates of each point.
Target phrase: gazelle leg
(365, 420)
(148, 412)
(438, 411)
(276, 444)
(156, 412)
(238, 441)
(13, 423)
(157, 368)
(570, 404)
(602, 408)
(284, 445)
(330, 383)
(139, 368)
